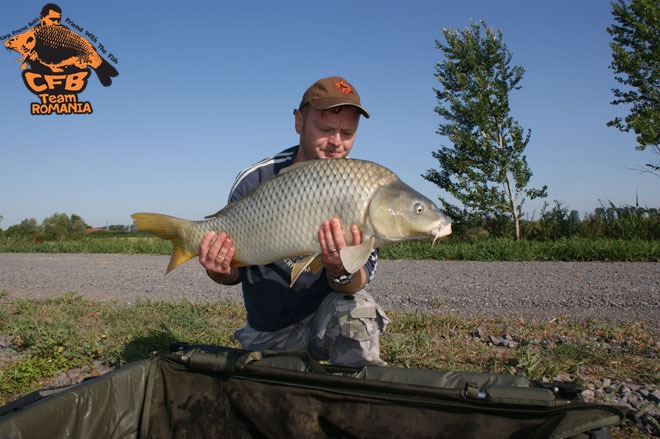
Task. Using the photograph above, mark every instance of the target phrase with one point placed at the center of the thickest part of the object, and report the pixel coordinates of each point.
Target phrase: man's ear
(297, 114)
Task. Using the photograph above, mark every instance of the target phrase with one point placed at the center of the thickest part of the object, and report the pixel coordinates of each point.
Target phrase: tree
(27, 228)
(56, 226)
(485, 169)
(59, 225)
(636, 64)
(77, 224)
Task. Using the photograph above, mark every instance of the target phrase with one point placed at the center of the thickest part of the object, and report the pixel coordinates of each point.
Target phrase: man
(328, 314)
(51, 15)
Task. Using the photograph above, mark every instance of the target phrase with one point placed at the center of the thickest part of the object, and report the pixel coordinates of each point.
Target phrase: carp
(280, 218)
(58, 48)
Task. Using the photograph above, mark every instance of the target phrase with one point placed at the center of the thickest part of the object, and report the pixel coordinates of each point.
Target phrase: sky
(206, 88)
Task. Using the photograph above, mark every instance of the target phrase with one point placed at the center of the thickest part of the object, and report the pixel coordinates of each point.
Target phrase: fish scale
(280, 218)
(313, 194)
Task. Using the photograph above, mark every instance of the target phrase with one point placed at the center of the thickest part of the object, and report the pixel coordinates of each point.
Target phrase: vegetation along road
(616, 291)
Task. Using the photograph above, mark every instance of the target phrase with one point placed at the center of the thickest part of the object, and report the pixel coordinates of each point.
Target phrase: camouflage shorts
(345, 330)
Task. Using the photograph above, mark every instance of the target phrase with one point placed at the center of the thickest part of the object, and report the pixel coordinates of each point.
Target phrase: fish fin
(316, 264)
(235, 263)
(300, 266)
(179, 256)
(165, 227)
(355, 256)
(105, 72)
(213, 215)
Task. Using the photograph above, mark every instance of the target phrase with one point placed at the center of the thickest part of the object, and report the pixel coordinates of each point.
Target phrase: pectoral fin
(313, 261)
(355, 256)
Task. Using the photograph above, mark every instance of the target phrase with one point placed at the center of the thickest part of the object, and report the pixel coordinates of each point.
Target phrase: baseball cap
(332, 92)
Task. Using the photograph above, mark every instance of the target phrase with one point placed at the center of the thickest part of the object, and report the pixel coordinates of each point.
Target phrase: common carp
(58, 48)
(281, 216)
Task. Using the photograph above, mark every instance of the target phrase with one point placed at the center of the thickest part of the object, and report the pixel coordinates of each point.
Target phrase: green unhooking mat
(213, 392)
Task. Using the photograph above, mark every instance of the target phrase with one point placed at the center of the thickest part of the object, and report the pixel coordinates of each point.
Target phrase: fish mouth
(441, 231)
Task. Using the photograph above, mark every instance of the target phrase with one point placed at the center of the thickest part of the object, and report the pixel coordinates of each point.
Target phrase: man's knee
(348, 331)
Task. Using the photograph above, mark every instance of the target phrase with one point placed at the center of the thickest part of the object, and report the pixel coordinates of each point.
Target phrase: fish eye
(418, 208)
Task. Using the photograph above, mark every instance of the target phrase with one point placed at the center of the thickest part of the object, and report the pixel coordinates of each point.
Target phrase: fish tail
(105, 72)
(165, 227)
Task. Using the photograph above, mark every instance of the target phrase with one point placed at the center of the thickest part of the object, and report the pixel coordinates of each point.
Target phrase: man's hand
(216, 255)
(331, 239)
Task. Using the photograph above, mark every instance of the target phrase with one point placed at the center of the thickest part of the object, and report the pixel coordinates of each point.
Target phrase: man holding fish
(328, 313)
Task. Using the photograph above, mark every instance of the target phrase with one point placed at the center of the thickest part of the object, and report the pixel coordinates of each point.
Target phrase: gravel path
(621, 292)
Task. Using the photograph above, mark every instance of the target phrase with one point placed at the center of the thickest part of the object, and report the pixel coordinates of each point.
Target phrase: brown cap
(332, 92)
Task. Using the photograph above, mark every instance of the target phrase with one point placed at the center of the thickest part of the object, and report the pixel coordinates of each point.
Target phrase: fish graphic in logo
(56, 63)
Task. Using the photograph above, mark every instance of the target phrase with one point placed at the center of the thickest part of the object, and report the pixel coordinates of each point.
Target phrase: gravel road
(617, 291)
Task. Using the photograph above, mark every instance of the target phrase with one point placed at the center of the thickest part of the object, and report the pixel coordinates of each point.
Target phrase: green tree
(77, 224)
(636, 65)
(58, 226)
(27, 228)
(485, 169)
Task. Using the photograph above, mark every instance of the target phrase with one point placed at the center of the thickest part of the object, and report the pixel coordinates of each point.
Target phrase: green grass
(120, 244)
(545, 349)
(67, 332)
(502, 249)
(492, 249)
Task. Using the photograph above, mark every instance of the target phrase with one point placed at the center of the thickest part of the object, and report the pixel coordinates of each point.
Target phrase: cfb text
(71, 83)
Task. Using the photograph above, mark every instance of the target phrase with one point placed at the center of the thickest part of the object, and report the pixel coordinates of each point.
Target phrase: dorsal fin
(300, 266)
(294, 166)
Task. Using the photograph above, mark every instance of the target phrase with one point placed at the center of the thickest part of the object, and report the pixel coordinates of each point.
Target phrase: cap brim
(362, 110)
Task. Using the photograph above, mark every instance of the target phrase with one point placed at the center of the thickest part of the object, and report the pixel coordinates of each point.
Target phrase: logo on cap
(343, 87)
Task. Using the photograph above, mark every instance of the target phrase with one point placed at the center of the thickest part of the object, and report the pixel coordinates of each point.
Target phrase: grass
(581, 349)
(492, 249)
(69, 331)
(123, 244)
(502, 249)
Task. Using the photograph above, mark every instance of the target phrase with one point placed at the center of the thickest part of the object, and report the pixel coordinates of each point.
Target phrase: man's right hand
(216, 252)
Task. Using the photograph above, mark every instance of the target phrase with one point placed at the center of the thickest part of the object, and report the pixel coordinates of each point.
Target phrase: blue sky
(205, 88)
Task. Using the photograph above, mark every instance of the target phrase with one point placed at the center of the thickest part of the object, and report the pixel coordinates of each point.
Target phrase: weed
(52, 336)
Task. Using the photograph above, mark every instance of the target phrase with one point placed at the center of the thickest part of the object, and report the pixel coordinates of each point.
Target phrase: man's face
(326, 134)
(52, 18)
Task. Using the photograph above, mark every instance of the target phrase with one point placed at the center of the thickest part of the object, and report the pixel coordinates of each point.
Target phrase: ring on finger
(334, 250)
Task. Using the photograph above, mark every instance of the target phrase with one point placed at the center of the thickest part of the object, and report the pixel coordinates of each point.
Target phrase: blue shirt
(269, 301)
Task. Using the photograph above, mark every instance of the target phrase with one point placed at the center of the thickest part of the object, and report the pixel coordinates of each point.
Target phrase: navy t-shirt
(270, 303)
